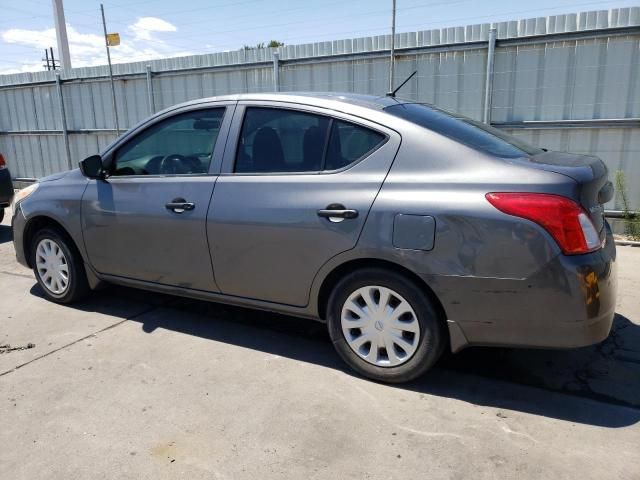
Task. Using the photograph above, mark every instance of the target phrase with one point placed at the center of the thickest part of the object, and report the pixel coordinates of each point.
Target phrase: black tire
(78, 286)
(433, 336)
(1, 214)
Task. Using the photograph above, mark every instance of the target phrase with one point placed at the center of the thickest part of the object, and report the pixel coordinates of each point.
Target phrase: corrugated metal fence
(565, 82)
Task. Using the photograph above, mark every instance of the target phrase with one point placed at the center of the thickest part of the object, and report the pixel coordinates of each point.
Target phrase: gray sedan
(408, 230)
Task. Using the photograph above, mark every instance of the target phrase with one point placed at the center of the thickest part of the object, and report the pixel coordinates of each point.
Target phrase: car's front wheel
(385, 326)
(58, 267)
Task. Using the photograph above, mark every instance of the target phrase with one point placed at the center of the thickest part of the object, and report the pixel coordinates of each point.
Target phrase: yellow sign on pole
(113, 39)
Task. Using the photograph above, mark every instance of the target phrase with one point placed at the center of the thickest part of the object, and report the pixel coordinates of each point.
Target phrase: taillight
(3, 164)
(565, 220)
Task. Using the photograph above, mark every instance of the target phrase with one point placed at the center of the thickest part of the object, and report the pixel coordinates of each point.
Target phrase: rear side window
(277, 140)
(349, 143)
(464, 130)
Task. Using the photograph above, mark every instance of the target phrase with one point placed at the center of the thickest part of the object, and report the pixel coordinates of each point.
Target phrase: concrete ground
(135, 385)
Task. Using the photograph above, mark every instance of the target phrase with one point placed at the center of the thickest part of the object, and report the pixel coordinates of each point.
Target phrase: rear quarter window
(348, 143)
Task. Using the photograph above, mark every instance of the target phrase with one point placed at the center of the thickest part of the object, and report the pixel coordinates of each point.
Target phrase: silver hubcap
(380, 326)
(52, 266)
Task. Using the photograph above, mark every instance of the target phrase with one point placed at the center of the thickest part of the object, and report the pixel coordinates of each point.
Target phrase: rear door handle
(336, 213)
(179, 205)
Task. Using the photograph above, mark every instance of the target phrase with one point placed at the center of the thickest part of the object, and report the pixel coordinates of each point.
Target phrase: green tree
(631, 223)
(271, 44)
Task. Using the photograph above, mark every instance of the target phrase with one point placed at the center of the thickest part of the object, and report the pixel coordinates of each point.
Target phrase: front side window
(276, 140)
(180, 145)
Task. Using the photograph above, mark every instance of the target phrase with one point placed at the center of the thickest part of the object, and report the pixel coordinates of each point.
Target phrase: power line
(422, 24)
(339, 17)
(355, 34)
(200, 9)
(351, 33)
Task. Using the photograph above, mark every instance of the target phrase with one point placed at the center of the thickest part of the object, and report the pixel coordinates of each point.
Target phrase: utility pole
(49, 59)
(393, 47)
(46, 54)
(61, 35)
(53, 60)
(113, 88)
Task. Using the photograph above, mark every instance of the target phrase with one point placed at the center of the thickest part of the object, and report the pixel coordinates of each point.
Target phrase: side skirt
(210, 296)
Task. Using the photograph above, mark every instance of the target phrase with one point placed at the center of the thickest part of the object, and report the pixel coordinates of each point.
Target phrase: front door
(147, 220)
(295, 191)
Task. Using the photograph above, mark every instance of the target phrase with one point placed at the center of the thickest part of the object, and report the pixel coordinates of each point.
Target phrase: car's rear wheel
(58, 267)
(1, 214)
(384, 326)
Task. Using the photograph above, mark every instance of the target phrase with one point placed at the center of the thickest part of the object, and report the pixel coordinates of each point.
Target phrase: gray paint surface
(262, 244)
(414, 232)
(264, 228)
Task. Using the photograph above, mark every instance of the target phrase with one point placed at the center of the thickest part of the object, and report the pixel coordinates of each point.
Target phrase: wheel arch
(36, 224)
(338, 272)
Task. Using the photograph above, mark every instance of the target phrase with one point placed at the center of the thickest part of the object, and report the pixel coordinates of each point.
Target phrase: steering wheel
(173, 164)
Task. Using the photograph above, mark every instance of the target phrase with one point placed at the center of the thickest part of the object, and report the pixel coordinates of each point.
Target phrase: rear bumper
(569, 303)
(6, 188)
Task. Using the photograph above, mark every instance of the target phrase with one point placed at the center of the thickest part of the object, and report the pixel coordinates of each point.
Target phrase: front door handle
(179, 205)
(337, 213)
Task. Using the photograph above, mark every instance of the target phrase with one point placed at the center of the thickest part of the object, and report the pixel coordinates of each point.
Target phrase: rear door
(147, 220)
(295, 190)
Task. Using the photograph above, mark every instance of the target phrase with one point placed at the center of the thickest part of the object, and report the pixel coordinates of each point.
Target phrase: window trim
(325, 148)
(311, 110)
(228, 107)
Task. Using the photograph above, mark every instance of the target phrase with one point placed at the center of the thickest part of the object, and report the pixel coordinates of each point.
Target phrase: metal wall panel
(582, 79)
(593, 74)
(619, 148)
(33, 156)
(452, 80)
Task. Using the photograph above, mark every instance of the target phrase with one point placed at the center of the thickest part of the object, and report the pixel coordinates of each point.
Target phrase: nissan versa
(408, 230)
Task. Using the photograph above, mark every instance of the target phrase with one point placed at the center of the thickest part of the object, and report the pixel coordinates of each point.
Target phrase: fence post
(276, 72)
(63, 120)
(150, 102)
(488, 84)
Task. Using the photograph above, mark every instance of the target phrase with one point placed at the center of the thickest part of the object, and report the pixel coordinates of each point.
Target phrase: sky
(152, 29)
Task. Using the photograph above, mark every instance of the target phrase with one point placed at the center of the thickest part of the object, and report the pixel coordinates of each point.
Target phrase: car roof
(310, 98)
(366, 106)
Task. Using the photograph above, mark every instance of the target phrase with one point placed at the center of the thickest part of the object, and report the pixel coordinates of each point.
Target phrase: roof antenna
(393, 94)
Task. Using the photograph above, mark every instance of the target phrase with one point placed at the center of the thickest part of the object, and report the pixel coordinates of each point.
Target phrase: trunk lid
(591, 175)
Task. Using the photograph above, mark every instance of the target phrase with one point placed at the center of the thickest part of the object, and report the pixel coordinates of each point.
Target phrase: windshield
(465, 130)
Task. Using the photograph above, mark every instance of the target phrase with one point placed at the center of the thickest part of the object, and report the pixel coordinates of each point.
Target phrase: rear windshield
(464, 130)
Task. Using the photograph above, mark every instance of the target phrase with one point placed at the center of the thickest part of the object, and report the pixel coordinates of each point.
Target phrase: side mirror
(91, 167)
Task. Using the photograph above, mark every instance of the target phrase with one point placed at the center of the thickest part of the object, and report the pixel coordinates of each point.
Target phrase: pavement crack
(109, 327)
(8, 348)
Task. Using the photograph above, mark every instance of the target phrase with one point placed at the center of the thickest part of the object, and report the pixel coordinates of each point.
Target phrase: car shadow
(6, 235)
(492, 377)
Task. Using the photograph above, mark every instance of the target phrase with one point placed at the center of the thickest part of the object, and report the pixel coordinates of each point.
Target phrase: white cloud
(146, 26)
(88, 49)
(33, 38)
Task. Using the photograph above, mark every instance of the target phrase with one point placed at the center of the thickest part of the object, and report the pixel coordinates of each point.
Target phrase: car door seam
(215, 182)
(364, 224)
